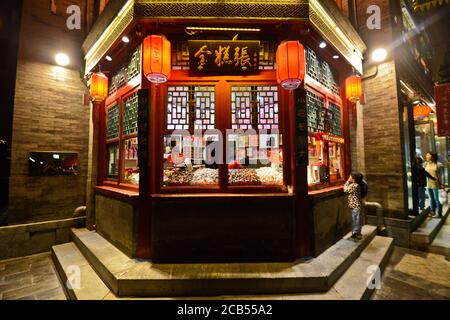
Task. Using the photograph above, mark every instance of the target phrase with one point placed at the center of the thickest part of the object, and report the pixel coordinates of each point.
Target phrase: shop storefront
(204, 153)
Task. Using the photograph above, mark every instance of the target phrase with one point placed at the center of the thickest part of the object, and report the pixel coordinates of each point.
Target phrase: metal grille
(191, 107)
(321, 71)
(254, 107)
(112, 130)
(316, 112)
(180, 55)
(126, 73)
(130, 115)
(336, 128)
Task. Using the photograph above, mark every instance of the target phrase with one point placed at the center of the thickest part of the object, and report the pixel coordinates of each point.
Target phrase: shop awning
(428, 4)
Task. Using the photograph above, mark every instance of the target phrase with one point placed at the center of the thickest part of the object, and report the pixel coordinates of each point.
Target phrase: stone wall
(382, 140)
(31, 238)
(48, 114)
(116, 222)
(331, 219)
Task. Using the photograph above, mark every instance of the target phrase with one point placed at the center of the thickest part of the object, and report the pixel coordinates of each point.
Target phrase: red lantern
(421, 111)
(99, 87)
(290, 64)
(156, 58)
(353, 88)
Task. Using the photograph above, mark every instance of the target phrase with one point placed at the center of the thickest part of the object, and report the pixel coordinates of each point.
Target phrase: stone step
(427, 231)
(353, 283)
(441, 244)
(127, 277)
(69, 262)
(351, 286)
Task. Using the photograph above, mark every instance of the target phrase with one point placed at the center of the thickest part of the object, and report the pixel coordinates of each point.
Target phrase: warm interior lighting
(126, 39)
(223, 29)
(379, 55)
(323, 45)
(99, 87)
(290, 58)
(108, 58)
(421, 111)
(353, 88)
(156, 58)
(62, 59)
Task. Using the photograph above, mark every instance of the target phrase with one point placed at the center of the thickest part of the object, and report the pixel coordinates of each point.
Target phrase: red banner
(442, 95)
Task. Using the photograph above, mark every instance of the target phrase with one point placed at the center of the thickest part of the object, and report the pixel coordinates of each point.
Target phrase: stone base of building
(27, 239)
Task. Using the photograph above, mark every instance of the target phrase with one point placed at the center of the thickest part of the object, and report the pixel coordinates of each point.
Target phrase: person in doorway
(353, 188)
(422, 176)
(434, 169)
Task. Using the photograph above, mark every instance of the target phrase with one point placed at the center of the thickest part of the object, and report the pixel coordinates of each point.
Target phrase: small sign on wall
(51, 163)
(442, 95)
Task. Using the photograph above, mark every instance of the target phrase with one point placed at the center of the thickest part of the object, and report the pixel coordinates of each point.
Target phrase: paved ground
(409, 275)
(415, 275)
(30, 278)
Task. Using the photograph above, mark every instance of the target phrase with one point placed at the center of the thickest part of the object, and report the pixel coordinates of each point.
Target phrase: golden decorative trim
(333, 34)
(123, 19)
(228, 9)
(417, 5)
(284, 10)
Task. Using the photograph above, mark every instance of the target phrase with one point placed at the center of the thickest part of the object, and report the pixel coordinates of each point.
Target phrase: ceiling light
(224, 29)
(323, 45)
(335, 57)
(108, 58)
(126, 39)
(379, 55)
(62, 59)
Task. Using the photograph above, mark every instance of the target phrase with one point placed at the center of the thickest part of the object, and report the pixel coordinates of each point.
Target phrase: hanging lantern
(421, 111)
(156, 58)
(99, 87)
(290, 64)
(353, 88)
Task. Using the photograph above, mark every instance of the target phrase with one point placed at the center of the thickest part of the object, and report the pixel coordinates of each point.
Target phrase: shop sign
(332, 138)
(224, 56)
(442, 95)
(143, 134)
(301, 128)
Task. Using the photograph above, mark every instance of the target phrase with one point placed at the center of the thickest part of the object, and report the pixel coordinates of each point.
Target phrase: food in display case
(131, 169)
(205, 176)
(243, 176)
(188, 168)
(269, 175)
(113, 160)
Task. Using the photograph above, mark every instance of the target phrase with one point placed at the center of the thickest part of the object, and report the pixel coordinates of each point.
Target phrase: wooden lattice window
(112, 130)
(336, 128)
(130, 115)
(126, 73)
(321, 71)
(316, 112)
(254, 107)
(191, 107)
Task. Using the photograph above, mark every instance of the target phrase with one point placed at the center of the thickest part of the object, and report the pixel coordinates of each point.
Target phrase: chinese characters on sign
(442, 94)
(223, 56)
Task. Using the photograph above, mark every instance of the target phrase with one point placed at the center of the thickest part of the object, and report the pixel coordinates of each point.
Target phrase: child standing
(352, 187)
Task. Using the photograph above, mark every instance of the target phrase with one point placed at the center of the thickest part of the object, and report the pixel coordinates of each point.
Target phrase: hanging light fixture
(353, 88)
(99, 87)
(156, 58)
(421, 111)
(290, 64)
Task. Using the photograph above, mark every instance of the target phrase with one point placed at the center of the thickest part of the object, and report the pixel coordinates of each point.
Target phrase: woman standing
(422, 176)
(434, 169)
(352, 187)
